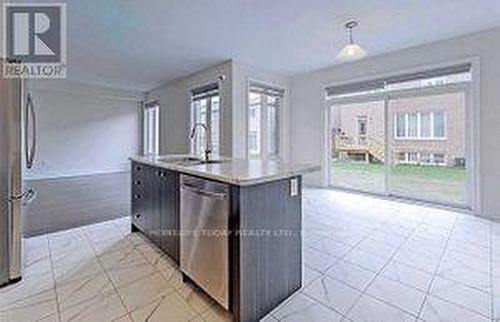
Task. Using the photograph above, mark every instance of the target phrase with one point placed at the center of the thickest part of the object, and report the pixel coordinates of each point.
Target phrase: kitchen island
(233, 226)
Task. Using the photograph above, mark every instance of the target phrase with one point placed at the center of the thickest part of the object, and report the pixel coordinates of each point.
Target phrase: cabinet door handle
(138, 168)
(137, 182)
(138, 216)
(137, 196)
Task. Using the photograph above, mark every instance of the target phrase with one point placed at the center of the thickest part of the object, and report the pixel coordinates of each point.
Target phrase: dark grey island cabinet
(155, 206)
(264, 244)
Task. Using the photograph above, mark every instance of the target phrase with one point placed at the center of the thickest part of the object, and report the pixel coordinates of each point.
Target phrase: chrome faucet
(208, 139)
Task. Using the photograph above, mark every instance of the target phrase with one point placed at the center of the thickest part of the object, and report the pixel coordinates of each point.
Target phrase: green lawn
(422, 171)
(444, 184)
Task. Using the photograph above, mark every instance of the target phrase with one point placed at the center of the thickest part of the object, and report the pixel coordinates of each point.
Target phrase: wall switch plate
(294, 187)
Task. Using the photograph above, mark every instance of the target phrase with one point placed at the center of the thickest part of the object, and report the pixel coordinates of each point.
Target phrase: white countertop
(239, 172)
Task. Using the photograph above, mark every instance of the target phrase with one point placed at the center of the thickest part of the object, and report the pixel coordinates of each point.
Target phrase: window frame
(265, 105)
(470, 88)
(419, 136)
(151, 132)
(197, 95)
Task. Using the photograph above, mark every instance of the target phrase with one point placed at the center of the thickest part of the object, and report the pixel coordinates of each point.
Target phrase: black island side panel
(270, 252)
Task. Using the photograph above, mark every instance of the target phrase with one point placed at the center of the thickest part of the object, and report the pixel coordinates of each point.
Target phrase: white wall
(307, 112)
(83, 129)
(175, 110)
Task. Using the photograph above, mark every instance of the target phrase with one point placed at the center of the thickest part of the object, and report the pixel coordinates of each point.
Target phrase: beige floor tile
(166, 267)
(30, 289)
(465, 296)
(300, 308)
(78, 270)
(150, 252)
(197, 299)
(74, 257)
(39, 307)
(98, 309)
(332, 293)
(216, 314)
(143, 291)
(170, 308)
(126, 267)
(438, 310)
(77, 291)
(399, 295)
(351, 274)
(68, 240)
(121, 258)
(369, 309)
(366, 229)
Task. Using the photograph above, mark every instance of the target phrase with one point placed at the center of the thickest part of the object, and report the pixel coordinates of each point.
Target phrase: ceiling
(139, 44)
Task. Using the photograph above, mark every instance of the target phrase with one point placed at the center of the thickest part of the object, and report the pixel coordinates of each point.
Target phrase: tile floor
(365, 259)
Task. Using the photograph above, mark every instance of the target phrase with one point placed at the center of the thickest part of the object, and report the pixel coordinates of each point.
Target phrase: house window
(412, 125)
(205, 109)
(421, 158)
(264, 107)
(438, 158)
(418, 125)
(425, 125)
(439, 125)
(400, 125)
(151, 128)
(362, 125)
(412, 158)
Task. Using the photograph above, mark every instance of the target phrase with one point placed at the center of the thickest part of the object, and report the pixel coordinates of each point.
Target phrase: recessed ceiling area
(142, 44)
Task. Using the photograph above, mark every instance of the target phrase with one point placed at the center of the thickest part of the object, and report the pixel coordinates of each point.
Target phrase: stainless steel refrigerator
(17, 136)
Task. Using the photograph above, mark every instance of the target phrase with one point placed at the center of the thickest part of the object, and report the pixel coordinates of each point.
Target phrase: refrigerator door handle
(26, 197)
(30, 112)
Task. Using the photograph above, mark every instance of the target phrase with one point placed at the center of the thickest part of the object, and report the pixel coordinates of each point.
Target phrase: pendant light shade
(351, 51)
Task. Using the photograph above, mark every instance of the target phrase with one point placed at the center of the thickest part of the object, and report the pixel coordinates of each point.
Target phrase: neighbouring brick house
(422, 130)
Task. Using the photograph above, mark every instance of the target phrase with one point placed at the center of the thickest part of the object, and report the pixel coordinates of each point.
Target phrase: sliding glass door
(358, 146)
(427, 147)
(404, 136)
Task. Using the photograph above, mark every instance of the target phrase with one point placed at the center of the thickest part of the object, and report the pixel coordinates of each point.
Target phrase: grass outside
(434, 183)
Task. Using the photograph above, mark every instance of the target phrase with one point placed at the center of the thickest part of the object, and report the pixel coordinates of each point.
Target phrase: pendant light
(351, 51)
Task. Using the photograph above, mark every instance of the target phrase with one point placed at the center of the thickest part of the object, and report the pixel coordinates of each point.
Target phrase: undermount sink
(211, 161)
(188, 161)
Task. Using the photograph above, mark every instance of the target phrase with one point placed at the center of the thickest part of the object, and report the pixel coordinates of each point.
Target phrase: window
(400, 125)
(151, 127)
(438, 125)
(421, 158)
(412, 125)
(253, 141)
(362, 125)
(419, 118)
(425, 125)
(205, 109)
(264, 104)
(412, 157)
(420, 125)
(438, 158)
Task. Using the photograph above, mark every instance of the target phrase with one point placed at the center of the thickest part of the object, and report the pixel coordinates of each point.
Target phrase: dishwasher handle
(204, 192)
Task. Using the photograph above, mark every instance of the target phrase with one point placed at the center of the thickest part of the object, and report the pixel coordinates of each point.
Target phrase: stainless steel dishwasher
(204, 240)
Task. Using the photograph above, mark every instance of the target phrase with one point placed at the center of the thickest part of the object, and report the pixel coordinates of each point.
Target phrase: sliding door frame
(471, 91)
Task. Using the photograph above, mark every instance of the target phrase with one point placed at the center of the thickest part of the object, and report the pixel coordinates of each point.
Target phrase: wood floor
(64, 203)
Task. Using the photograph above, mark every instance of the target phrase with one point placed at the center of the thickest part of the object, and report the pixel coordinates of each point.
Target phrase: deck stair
(372, 147)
